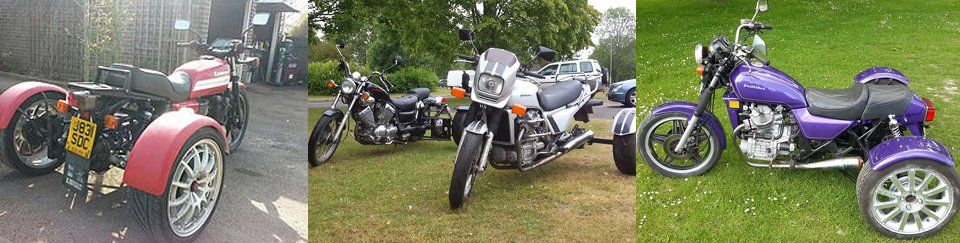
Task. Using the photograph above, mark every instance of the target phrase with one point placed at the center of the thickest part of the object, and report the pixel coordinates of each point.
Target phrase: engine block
(767, 133)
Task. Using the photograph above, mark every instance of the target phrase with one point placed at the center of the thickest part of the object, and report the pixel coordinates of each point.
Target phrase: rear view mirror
(341, 44)
(397, 60)
(466, 34)
(181, 25)
(545, 53)
(261, 19)
(762, 6)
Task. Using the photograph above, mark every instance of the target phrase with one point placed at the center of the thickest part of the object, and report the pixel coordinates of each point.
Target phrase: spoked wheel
(26, 139)
(193, 189)
(238, 127)
(323, 141)
(910, 199)
(465, 169)
(661, 134)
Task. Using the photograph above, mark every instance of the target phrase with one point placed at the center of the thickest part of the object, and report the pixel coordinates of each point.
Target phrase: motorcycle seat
(859, 102)
(559, 95)
(420, 93)
(886, 100)
(407, 102)
(149, 82)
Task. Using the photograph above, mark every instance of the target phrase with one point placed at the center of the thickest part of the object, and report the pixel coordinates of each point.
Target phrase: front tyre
(465, 169)
(26, 139)
(660, 134)
(193, 189)
(323, 141)
(238, 128)
(625, 153)
(910, 199)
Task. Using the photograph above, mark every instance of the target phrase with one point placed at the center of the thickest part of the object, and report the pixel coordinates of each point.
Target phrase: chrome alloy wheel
(912, 201)
(195, 186)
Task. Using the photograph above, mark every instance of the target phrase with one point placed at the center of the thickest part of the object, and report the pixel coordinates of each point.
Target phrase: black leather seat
(559, 95)
(409, 101)
(859, 102)
(149, 82)
(887, 99)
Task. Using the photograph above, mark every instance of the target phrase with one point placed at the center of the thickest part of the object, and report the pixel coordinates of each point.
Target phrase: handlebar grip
(759, 26)
(468, 58)
(532, 74)
(181, 44)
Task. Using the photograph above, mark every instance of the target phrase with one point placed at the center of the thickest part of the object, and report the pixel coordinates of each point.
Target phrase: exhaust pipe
(570, 145)
(838, 163)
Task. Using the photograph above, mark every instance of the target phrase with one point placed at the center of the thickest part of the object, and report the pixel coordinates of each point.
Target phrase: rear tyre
(910, 199)
(625, 153)
(193, 188)
(322, 142)
(27, 137)
(457, 126)
(464, 169)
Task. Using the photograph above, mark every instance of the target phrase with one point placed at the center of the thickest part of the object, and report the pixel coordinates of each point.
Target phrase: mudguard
(689, 108)
(153, 155)
(476, 127)
(874, 73)
(12, 97)
(625, 122)
(333, 112)
(905, 148)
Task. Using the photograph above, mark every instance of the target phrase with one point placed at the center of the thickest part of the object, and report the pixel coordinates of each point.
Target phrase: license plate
(80, 136)
(75, 172)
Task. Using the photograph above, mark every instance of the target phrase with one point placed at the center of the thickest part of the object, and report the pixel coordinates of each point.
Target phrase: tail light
(931, 111)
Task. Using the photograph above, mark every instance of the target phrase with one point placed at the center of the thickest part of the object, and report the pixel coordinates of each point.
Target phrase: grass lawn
(821, 44)
(399, 193)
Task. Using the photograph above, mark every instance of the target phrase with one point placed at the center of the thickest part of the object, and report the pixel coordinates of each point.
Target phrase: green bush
(406, 79)
(319, 74)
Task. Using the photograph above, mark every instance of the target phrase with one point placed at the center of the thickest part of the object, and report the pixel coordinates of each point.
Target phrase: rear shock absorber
(894, 126)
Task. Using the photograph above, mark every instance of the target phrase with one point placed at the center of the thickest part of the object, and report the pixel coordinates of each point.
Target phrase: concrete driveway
(263, 199)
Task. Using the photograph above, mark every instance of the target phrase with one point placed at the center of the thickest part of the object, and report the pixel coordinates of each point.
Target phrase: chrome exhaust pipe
(838, 163)
(570, 145)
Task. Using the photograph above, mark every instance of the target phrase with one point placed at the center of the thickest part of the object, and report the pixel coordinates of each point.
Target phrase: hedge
(403, 79)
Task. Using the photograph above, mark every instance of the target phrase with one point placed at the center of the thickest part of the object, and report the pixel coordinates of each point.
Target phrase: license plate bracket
(76, 170)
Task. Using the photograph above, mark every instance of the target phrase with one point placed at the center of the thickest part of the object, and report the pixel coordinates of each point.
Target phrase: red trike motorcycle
(170, 133)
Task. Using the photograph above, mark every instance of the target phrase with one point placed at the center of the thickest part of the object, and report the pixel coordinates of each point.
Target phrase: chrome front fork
(346, 115)
(706, 95)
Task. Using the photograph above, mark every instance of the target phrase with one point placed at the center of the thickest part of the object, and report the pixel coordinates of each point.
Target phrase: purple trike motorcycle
(907, 186)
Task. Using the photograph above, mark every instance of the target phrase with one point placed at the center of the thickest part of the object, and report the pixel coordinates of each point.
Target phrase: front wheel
(238, 121)
(910, 199)
(625, 153)
(465, 169)
(323, 141)
(193, 189)
(27, 137)
(660, 134)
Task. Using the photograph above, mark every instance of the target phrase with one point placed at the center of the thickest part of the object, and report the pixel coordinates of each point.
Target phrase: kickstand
(848, 175)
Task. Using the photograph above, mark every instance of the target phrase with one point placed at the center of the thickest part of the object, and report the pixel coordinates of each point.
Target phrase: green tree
(617, 45)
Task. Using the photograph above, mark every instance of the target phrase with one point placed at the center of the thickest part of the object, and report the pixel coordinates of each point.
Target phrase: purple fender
(153, 155)
(12, 97)
(910, 147)
(879, 73)
(689, 108)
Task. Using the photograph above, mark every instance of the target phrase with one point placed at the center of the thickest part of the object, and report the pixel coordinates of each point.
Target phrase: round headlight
(348, 86)
(490, 84)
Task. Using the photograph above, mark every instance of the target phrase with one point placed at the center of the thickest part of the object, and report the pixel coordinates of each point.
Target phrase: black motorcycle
(380, 119)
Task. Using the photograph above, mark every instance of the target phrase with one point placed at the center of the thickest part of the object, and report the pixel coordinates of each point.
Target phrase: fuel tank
(761, 83)
(207, 76)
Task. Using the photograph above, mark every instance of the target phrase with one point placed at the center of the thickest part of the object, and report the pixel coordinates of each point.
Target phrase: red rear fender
(153, 155)
(14, 96)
